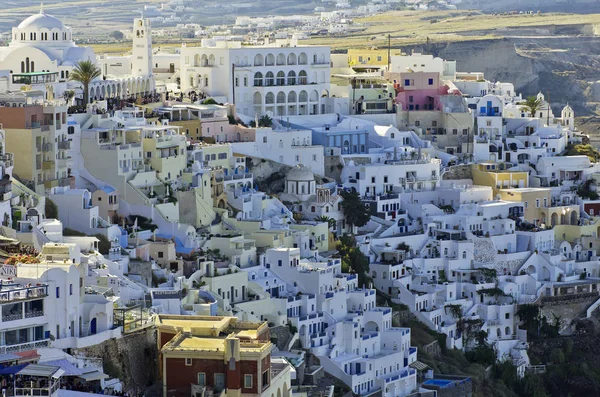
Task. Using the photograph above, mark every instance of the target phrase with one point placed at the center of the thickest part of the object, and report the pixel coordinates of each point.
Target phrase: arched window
(303, 97)
(464, 254)
(302, 77)
(269, 79)
(269, 60)
(291, 60)
(269, 98)
(280, 59)
(22, 66)
(258, 79)
(258, 60)
(280, 78)
(291, 78)
(32, 66)
(27, 65)
(302, 59)
(281, 97)
(292, 97)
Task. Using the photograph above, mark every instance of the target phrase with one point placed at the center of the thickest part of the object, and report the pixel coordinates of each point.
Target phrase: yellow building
(369, 57)
(165, 148)
(498, 177)
(540, 209)
(587, 233)
(37, 136)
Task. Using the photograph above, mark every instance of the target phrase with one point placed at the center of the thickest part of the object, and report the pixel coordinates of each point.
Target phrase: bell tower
(141, 59)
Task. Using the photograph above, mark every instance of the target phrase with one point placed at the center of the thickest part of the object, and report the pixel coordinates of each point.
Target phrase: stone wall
(280, 336)
(133, 359)
(567, 309)
(458, 172)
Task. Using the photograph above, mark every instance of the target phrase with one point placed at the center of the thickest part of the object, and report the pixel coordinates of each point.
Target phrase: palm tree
(85, 72)
(532, 104)
(330, 221)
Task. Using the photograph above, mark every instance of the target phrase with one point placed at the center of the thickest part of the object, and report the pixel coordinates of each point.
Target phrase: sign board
(167, 294)
(8, 271)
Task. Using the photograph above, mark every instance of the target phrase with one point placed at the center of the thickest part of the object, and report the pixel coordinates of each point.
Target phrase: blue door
(93, 326)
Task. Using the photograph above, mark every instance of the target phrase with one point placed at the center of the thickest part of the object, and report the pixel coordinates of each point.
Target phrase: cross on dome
(41, 7)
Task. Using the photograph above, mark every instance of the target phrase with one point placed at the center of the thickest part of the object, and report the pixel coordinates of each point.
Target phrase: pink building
(419, 90)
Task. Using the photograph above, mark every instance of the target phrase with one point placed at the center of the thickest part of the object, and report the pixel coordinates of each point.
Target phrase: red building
(219, 355)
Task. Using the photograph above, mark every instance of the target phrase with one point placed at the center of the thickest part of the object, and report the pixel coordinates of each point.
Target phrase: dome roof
(41, 21)
(300, 173)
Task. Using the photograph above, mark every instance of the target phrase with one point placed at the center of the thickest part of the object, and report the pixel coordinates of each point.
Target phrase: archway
(554, 219)
(371, 326)
(93, 326)
(573, 217)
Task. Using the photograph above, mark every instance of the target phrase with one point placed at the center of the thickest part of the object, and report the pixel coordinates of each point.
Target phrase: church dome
(300, 173)
(41, 21)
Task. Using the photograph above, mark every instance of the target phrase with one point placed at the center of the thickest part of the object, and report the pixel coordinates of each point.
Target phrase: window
(314, 157)
(58, 292)
(507, 315)
(411, 98)
(525, 204)
(434, 123)
(247, 381)
(201, 379)
(430, 81)
(488, 123)
(407, 82)
(70, 289)
(188, 362)
(417, 123)
(537, 203)
(160, 254)
(372, 179)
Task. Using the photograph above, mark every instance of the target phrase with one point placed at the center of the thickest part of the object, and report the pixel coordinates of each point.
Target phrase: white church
(42, 54)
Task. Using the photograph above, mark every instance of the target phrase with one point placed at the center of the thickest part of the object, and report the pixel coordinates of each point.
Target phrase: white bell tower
(141, 59)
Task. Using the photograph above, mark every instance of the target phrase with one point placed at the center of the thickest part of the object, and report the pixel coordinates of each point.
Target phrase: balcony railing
(17, 294)
(64, 145)
(37, 392)
(24, 346)
(48, 164)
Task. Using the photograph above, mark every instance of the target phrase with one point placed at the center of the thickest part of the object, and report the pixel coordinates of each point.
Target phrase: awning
(12, 370)
(94, 375)
(419, 366)
(42, 370)
(9, 357)
(28, 355)
(65, 365)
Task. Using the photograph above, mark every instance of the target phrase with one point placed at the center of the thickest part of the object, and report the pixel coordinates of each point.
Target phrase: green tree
(330, 221)
(265, 121)
(532, 104)
(354, 258)
(117, 35)
(354, 209)
(85, 72)
(50, 209)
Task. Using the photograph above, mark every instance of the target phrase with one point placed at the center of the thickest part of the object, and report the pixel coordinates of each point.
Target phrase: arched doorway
(93, 326)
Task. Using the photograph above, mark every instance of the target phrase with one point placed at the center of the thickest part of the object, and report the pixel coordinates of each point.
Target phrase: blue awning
(12, 370)
(65, 365)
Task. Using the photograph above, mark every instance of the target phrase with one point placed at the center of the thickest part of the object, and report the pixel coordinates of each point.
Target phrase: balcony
(47, 147)
(24, 293)
(48, 164)
(8, 159)
(24, 346)
(64, 145)
(37, 392)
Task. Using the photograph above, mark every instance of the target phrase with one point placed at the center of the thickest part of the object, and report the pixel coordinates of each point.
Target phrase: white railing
(24, 346)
